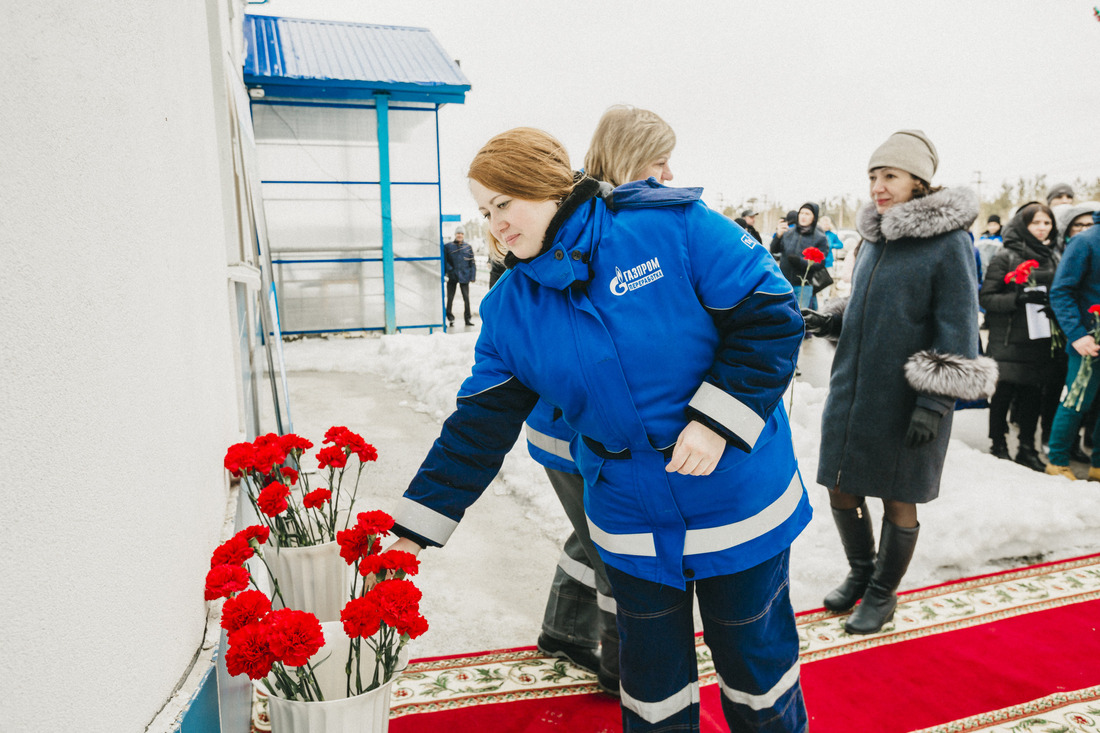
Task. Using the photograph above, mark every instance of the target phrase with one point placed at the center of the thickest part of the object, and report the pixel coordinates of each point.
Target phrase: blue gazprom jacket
(641, 313)
(549, 438)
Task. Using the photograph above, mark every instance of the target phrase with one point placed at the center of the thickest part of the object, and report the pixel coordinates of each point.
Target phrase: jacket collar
(566, 247)
(929, 216)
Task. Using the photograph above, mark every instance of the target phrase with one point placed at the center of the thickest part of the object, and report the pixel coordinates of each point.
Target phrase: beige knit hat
(907, 150)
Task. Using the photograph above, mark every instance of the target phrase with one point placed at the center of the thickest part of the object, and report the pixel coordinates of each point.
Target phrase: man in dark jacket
(461, 270)
(747, 221)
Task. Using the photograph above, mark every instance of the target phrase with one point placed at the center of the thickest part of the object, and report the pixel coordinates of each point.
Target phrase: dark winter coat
(1020, 360)
(908, 337)
(794, 242)
(459, 262)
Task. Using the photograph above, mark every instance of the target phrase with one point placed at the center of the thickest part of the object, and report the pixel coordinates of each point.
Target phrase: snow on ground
(991, 515)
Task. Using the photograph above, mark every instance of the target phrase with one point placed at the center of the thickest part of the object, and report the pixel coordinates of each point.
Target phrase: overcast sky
(782, 100)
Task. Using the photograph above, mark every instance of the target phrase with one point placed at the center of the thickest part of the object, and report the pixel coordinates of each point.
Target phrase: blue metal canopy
(324, 59)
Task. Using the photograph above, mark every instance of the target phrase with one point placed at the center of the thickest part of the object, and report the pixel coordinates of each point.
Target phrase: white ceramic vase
(314, 579)
(365, 713)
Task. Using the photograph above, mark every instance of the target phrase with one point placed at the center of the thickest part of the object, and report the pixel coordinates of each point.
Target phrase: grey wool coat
(908, 336)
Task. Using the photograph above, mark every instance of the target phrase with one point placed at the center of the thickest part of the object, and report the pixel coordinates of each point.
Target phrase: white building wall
(118, 388)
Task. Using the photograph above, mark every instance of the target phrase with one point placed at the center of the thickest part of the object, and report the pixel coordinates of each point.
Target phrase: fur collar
(937, 213)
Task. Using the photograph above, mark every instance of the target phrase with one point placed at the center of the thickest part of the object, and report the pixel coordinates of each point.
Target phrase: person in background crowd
(825, 224)
(990, 242)
(907, 350)
(1076, 288)
(1070, 220)
(747, 221)
(461, 270)
(1060, 193)
(629, 144)
(1023, 357)
(496, 269)
(796, 268)
(691, 485)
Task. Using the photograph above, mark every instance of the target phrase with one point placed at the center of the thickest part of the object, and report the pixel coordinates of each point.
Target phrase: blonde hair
(524, 163)
(626, 140)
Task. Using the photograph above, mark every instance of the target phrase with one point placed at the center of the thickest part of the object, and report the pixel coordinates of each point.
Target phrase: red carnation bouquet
(271, 473)
(1075, 397)
(1022, 274)
(279, 646)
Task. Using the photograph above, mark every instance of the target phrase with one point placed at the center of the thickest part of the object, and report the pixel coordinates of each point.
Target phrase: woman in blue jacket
(666, 336)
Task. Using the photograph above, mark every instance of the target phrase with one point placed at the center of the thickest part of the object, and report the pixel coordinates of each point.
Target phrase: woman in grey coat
(907, 348)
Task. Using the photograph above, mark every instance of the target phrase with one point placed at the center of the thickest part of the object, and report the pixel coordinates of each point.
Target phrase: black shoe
(469, 322)
(895, 550)
(858, 538)
(450, 320)
(1000, 450)
(1030, 457)
(1079, 455)
(608, 682)
(584, 657)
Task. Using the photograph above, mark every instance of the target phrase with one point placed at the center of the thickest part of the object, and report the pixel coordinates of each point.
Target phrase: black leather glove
(819, 324)
(923, 426)
(1038, 297)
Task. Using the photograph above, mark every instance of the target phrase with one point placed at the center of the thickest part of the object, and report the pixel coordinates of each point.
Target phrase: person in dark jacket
(1075, 290)
(747, 221)
(796, 268)
(1019, 333)
(461, 270)
(907, 350)
(666, 336)
(628, 144)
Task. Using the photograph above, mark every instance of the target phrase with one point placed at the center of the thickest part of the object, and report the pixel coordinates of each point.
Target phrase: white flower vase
(314, 579)
(337, 713)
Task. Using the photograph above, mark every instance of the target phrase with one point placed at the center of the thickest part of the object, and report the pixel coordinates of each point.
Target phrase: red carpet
(1013, 651)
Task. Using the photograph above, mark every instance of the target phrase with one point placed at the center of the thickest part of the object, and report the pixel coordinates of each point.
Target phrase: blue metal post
(382, 108)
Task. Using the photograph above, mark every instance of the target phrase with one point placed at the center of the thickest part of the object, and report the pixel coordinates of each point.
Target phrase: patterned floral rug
(1012, 651)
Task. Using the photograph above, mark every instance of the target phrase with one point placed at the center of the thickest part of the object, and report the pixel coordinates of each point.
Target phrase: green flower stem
(274, 581)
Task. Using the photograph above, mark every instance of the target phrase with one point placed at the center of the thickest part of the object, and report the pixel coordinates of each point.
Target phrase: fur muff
(931, 215)
(951, 375)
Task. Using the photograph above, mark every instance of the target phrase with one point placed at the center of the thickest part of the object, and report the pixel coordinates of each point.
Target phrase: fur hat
(1061, 189)
(907, 150)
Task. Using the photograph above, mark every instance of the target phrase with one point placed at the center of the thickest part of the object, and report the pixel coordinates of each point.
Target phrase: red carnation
(233, 551)
(376, 522)
(316, 498)
(813, 254)
(406, 562)
(372, 564)
(366, 452)
(412, 625)
(361, 617)
(333, 456)
(244, 608)
(224, 580)
(256, 532)
(290, 474)
(291, 442)
(355, 542)
(249, 652)
(336, 434)
(396, 598)
(1094, 309)
(239, 458)
(272, 500)
(294, 636)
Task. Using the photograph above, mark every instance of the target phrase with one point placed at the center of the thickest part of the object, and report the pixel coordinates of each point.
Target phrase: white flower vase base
(337, 713)
(314, 579)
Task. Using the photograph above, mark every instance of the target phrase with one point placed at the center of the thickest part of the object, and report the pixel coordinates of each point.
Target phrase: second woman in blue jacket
(667, 336)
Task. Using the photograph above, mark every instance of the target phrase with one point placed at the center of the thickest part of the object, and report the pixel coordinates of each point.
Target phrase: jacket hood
(929, 216)
(648, 193)
(1066, 213)
(813, 208)
(585, 190)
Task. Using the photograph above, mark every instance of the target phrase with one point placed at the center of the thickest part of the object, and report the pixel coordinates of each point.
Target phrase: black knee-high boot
(895, 550)
(858, 538)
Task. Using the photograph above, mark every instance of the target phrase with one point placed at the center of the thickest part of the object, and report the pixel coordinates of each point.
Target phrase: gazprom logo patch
(636, 277)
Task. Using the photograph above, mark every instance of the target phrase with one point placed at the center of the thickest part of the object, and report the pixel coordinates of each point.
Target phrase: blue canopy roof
(324, 59)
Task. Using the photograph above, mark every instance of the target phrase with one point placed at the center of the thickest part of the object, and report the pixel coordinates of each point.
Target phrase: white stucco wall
(118, 390)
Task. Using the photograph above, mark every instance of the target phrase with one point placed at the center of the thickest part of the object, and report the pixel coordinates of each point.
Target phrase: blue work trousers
(749, 627)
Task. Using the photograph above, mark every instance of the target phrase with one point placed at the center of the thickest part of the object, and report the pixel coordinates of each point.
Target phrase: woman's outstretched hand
(697, 451)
